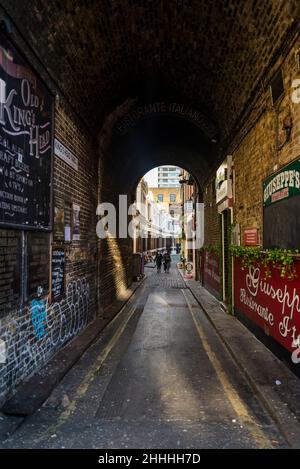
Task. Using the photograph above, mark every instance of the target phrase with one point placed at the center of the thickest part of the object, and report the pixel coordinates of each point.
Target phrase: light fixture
(287, 125)
(190, 180)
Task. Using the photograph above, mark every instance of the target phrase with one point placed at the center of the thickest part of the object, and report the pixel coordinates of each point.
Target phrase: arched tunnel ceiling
(208, 54)
(157, 139)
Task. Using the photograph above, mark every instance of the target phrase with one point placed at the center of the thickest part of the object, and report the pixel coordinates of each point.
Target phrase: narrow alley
(149, 228)
(157, 377)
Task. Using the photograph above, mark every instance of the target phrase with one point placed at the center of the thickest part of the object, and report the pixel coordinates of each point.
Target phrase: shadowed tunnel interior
(152, 82)
(156, 141)
(113, 89)
(107, 55)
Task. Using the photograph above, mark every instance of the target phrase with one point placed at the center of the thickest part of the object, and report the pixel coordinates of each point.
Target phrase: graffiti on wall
(33, 334)
(38, 317)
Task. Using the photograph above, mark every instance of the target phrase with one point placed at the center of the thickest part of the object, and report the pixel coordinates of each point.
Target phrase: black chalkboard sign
(282, 224)
(38, 263)
(10, 270)
(58, 273)
(26, 143)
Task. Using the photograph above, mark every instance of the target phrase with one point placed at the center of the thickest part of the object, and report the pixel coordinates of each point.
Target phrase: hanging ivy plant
(280, 259)
(212, 248)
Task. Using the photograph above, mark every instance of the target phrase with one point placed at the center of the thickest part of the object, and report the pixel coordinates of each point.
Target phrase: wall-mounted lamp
(287, 125)
(189, 181)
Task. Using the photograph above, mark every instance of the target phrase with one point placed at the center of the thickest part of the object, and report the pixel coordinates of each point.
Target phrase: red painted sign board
(250, 237)
(273, 304)
(211, 274)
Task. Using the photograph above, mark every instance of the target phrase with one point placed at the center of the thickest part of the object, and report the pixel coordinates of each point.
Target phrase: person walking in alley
(167, 261)
(158, 261)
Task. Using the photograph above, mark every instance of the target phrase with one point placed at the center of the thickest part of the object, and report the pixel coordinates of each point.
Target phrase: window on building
(277, 86)
(160, 198)
(172, 198)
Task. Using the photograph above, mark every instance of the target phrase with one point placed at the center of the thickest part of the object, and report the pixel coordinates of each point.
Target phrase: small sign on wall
(250, 237)
(65, 154)
(59, 219)
(57, 273)
(68, 221)
(76, 222)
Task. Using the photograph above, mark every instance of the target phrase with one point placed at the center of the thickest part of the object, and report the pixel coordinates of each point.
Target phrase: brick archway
(125, 157)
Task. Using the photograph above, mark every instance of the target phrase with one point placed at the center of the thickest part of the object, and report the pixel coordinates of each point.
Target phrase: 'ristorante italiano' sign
(273, 304)
(283, 184)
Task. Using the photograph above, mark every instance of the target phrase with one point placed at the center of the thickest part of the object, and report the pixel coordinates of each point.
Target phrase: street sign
(250, 237)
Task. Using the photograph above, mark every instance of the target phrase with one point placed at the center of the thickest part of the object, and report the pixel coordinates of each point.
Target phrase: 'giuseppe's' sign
(285, 183)
(272, 304)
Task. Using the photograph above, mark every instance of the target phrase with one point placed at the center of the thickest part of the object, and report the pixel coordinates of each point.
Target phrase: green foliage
(280, 259)
(212, 248)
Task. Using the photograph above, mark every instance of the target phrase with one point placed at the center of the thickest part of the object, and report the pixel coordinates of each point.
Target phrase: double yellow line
(238, 405)
(89, 377)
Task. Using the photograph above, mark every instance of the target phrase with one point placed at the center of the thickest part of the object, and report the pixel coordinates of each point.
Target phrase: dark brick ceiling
(211, 53)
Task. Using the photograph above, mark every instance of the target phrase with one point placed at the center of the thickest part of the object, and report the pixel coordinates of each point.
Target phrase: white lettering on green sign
(283, 184)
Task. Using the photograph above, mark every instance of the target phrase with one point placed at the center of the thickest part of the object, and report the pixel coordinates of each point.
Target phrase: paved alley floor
(157, 377)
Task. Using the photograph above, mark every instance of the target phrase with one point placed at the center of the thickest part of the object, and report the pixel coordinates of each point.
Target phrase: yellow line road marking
(239, 407)
(89, 377)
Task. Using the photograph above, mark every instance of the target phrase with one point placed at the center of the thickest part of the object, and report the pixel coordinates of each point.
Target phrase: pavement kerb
(292, 435)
